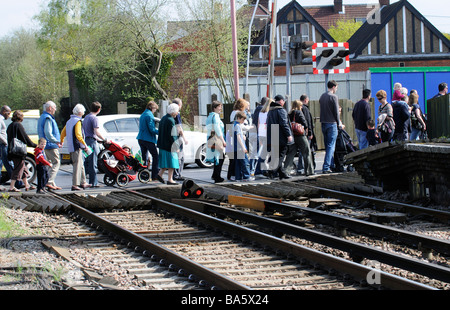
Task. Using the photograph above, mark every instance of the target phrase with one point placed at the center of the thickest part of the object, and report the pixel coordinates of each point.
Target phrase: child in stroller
(120, 166)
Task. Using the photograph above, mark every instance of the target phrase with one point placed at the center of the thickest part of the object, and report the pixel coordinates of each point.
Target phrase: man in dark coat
(361, 114)
(279, 136)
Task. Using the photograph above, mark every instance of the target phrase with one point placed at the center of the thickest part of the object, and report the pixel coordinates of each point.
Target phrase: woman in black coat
(20, 171)
(168, 145)
(301, 142)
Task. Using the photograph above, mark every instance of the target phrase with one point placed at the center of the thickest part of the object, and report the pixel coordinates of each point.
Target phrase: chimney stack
(384, 2)
(338, 6)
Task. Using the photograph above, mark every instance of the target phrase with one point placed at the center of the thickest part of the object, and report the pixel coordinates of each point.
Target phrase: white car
(123, 129)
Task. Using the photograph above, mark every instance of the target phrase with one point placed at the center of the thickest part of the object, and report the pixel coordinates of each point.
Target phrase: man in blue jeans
(93, 135)
(329, 117)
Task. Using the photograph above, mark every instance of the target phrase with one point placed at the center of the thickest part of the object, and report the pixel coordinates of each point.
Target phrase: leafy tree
(344, 29)
(210, 43)
(28, 76)
(112, 46)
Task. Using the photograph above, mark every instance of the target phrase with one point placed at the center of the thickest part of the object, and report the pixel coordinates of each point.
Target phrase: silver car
(123, 129)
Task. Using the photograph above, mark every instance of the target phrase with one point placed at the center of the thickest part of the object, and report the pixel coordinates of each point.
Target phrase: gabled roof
(293, 6)
(282, 18)
(368, 31)
(327, 15)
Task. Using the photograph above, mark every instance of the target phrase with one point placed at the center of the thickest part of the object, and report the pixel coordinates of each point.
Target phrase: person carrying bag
(18, 148)
(17, 142)
(297, 128)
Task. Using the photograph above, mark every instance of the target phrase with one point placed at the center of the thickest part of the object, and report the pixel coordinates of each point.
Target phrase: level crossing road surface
(200, 175)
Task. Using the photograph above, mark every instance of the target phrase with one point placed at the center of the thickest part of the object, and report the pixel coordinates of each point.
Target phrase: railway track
(189, 248)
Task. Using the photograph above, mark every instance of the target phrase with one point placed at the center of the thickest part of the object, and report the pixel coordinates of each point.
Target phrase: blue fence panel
(412, 80)
(433, 79)
(423, 79)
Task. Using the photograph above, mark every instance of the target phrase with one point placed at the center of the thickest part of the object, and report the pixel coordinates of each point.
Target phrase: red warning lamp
(191, 190)
(198, 192)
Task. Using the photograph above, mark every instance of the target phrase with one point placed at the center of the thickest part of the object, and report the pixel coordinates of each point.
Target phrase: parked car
(30, 122)
(123, 129)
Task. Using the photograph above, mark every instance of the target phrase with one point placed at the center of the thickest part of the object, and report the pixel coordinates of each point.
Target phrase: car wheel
(201, 158)
(30, 163)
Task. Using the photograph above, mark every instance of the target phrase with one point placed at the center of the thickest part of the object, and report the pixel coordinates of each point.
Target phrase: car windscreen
(30, 125)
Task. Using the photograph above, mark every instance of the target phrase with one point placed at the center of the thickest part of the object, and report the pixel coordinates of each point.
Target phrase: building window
(288, 30)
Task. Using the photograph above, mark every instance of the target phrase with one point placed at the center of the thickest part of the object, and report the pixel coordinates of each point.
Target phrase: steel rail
(213, 278)
(358, 271)
(438, 214)
(357, 225)
(355, 249)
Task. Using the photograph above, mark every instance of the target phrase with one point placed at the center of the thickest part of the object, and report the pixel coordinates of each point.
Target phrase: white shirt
(3, 134)
(262, 126)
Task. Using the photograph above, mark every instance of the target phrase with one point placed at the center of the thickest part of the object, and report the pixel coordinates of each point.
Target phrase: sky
(18, 13)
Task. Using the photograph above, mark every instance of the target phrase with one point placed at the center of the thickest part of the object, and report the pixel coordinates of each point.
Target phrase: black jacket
(167, 134)
(401, 116)
(16, 129)
(278, 116)
(299, 118)
(309, 120)
(361, 114)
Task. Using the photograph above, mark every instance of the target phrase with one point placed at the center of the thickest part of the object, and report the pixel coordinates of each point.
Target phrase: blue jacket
(147, 128)
(55, 130)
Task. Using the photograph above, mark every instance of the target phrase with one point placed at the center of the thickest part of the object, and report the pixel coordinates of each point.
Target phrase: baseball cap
(279, 97)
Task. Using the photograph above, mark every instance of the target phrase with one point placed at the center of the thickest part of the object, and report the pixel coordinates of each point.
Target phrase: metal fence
(438, 124)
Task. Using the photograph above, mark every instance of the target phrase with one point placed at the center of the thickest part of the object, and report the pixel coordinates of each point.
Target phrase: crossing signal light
(331, 58)
(300, 49)
(327, 53)
(190, 189)
(343, 53)
(336, 61)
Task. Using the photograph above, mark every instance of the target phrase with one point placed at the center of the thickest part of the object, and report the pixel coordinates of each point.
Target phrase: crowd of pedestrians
(278, 142)
(263, 143)
(82, 136)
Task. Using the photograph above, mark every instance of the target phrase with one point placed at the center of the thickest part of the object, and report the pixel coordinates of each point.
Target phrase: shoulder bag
(297, 128)
(18, 148)
(213, 140)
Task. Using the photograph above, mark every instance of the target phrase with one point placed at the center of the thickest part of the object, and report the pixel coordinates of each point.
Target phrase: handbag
(297, 128)
(18, 148)
(213, 140)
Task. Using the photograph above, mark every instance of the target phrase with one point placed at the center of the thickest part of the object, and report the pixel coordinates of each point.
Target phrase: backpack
(415, 121)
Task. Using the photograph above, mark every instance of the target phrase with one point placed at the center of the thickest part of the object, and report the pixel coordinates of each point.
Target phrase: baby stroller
(344, 146)
(120, 167)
